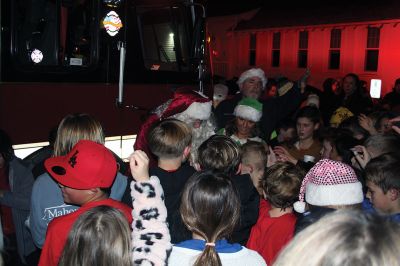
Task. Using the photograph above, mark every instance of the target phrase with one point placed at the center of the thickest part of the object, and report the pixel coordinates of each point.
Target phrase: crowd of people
(279, 173)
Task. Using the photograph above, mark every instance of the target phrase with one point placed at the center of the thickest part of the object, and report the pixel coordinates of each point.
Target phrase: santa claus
(189, 106)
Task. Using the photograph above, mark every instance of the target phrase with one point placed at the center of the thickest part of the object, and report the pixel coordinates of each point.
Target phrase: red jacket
(59, 228)
(270, 234)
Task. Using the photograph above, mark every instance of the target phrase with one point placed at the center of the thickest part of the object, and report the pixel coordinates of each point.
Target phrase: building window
(372, 51)
(252, 51)
(334, 51)
(276, 49)
(303, 49)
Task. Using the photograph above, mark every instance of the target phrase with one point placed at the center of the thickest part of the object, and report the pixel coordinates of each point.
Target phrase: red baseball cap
(88, 165)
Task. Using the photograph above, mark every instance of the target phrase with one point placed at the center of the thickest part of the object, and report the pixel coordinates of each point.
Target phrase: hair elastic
(210, 244)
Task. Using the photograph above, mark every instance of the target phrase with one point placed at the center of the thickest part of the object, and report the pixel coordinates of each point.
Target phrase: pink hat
(88, 165)
(329, 183)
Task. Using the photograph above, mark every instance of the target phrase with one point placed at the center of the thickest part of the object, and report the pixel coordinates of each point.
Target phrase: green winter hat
(249, 109)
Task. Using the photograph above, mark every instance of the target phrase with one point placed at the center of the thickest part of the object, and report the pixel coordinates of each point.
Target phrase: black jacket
(310, 217)
(249, 206)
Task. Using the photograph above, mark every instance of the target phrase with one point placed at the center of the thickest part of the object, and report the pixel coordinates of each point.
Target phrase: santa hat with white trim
(253, 72)
(249, 109)
(329, 183)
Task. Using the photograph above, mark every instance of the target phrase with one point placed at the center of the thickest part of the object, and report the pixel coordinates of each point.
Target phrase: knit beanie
(249, 109)
(253, 72)
(329, 183)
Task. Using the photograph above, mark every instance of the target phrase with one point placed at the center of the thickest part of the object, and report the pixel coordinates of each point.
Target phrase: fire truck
(113, 59)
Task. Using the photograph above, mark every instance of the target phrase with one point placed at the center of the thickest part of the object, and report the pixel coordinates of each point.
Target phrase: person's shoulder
(244, 257)
(243, 179)
(119, 205)
(45, 178)
(186, 169)
(115, 204)
(64, 221)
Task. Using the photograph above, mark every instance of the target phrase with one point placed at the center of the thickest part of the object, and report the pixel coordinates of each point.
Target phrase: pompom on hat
(329, 183)
(249, 109)
(253, 72)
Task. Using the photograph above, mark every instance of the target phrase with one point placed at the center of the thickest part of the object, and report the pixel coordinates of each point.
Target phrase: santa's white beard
(199, 135)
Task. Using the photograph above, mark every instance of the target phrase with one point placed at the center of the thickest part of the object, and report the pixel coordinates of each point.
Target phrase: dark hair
(384, 171)
(219, 153)
(342, 141)
(210, 208)
(327, 85)
(6, 148)
(281, 184)
(355, 77)
(169, 138)
(310, 112)
(380, 117)
(100, 236)
(351, 124)
(231, 128)
(286, 124)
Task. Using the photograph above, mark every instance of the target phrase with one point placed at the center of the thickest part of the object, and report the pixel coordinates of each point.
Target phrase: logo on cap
(72, 160)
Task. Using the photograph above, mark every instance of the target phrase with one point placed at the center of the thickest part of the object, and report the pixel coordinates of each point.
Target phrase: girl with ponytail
(210, 209)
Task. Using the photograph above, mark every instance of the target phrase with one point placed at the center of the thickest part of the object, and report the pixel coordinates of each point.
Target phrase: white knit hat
(249, 109)
(253, 72)
(329, 183)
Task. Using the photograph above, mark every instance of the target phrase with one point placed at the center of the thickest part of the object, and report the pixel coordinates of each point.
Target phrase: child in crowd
(383, 182)
(170, 141)
(85, 176)
(254, 161)
(307, 147)
(337, 145)
(222, 154)
(47, 201)
(244, 126)
(375, 146)
(345, 238)
(204, 194)
(101, 235)
(276, 221)
(285, 133)
(328, 186)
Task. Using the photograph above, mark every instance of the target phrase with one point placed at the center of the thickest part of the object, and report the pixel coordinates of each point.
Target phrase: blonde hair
(254, 153)
(345, 238)
(100, 236)
(169, 138)
(76, 127)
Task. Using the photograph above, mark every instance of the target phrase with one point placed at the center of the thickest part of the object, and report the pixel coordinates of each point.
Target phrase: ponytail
(204, 194)
(209, 257)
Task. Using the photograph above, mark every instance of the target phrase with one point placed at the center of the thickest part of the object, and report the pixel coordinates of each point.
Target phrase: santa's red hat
(185, 101)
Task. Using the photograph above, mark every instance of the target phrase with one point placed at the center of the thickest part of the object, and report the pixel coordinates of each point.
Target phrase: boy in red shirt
(276, 221)
(85, 176)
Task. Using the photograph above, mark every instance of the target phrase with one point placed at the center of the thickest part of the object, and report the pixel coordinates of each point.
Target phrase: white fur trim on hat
(340, 194)
(201, 111)
(248, 113)
(253, 72)
(299, 206)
